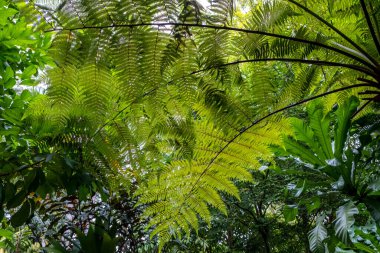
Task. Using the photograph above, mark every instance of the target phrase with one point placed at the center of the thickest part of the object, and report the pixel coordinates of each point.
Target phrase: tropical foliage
(155, 124)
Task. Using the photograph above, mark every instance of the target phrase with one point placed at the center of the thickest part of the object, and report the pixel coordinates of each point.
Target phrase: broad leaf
(6, 233)
(290, 212)
(317, 235)
(320, 125)
(22, 215)
(342, 125)
(344, 220)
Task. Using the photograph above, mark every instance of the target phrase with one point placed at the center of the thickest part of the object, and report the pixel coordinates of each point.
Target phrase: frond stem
(374, 18)
(361, 108)
(370, 26)
(368, 81)
(336, 30)
(313, 62)
(274, 35)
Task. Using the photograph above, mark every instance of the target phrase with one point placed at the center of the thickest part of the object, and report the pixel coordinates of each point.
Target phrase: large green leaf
(305, 134)
(6, 233)
(301, 151)
(17, 199)
(290, 212)
(23, 214)
(321, 128)
(344, 113)
(5, 14)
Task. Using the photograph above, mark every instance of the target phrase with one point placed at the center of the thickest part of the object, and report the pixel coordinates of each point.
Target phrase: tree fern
(182, 70)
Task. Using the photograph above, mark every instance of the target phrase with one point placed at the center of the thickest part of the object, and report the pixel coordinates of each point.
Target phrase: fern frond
(222, 12)
(182, 94)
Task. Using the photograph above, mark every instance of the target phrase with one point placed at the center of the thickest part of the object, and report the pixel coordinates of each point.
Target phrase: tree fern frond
(305, 82)
(270, 14)
(301, 131)
(222, 12)
(334, 29)
(166, 90)
(305, 134)
(370, 26)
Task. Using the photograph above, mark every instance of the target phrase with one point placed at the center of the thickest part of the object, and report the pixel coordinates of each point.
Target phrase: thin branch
(370, 26)
(371, 99)
(374, 18)
(336, 30)
(369, 92)
(245, 129)
(361, 108)
(252, 214)
(368, 81)
(274, 35)
(313, 62)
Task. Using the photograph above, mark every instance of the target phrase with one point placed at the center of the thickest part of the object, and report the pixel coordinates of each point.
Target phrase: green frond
(212, 197)
(222, 11)
(305, 134)
(301, 131)
(176, 97)
(270, 14)
(300, 150)
(303, 85)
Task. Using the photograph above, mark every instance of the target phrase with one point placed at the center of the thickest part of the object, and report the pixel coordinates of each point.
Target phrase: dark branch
(274, 35)
(374, 18)
(335, 30)
(313, 62)
(361, 108)
(252, 214)
(368, 81)
(370, 26)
